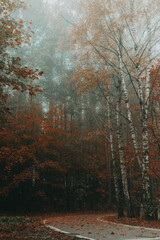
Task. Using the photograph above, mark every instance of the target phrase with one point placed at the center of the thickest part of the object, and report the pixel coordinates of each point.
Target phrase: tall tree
(103, 36)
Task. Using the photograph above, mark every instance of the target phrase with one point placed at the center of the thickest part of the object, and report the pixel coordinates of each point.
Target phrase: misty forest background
(80, 106)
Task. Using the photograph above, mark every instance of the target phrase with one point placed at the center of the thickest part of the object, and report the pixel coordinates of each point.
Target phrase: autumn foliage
(79, 107)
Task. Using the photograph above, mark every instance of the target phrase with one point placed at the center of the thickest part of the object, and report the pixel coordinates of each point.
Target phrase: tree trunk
(114, 161)
(147, 198)
(129, 114)
(127, 196)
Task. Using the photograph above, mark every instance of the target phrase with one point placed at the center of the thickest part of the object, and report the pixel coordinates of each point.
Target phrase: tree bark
(129, 114)
(114, 161)
(147, 198)
(127, 196)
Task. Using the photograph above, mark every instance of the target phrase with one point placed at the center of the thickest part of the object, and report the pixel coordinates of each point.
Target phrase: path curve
(92, 226)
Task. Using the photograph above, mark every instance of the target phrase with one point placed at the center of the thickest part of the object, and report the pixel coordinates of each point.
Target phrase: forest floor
(133, 221)
(33, 228)
(22, 228)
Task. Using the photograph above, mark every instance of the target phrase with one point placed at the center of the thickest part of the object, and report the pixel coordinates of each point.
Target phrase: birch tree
(123, 35)
(115, 170)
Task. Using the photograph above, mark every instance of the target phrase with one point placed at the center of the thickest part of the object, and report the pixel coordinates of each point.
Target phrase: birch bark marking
(127, 196)
(115, 176)
(147, 199)
(129, 114)
(136, 50)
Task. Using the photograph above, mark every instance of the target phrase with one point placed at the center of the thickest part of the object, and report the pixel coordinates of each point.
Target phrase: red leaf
(40, 73)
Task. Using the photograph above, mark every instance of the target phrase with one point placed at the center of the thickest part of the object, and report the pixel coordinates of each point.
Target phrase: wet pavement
(92, 226)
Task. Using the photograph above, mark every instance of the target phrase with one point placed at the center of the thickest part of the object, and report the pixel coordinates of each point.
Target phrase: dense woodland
(80, 106)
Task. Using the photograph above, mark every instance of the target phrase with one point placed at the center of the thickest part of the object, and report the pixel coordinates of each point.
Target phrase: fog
(80, 105)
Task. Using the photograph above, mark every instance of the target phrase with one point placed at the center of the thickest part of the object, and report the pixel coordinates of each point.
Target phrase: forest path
(91, 226)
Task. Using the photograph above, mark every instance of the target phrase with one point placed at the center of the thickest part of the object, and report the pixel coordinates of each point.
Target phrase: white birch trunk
(123, 164)
(129, 113)
(115, 175)
(136, 49)
(147, 199)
